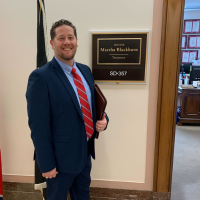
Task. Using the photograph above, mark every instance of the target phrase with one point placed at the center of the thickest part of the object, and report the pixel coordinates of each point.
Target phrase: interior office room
(130, 162)
(185, 178)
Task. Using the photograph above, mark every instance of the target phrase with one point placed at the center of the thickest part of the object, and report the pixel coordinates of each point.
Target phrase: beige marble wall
(125, 152)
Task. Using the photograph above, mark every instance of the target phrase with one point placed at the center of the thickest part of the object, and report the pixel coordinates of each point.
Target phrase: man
(62, 117)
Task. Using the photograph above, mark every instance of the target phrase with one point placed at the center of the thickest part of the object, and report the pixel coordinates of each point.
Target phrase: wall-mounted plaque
(189, 56)
(191, 26)
(194, 42)
(184, 42)
(119, 57)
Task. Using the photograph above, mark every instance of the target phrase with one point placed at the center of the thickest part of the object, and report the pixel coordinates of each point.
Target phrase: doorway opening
(186, 163)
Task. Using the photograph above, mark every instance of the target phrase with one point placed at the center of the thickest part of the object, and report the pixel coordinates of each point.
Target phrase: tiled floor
(25, 191)
(22, 191)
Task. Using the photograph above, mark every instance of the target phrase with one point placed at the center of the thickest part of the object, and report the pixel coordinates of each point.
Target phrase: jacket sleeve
(38, 107)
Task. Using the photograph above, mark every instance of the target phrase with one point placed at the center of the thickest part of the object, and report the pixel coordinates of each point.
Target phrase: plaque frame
(189, 51)
(191, 31)
(185, 45)
(107, 35)
(193, 36)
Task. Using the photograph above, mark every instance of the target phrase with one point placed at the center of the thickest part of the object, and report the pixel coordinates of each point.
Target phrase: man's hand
(51, 174)
(101, 124)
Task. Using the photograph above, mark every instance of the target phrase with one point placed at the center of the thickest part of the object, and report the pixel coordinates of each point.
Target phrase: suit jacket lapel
(67, 85)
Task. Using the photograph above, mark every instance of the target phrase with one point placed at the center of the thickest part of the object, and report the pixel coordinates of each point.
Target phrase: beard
(65, 57)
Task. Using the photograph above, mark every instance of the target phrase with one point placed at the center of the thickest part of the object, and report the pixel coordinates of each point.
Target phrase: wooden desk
(189, 105)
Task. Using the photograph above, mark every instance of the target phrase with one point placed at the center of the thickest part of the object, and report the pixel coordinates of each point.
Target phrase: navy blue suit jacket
(56, 121)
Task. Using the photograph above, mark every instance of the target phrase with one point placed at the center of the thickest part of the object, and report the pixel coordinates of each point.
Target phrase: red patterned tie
(85, 107)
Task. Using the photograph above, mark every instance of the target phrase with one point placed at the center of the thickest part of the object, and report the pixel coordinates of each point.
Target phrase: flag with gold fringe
(42, 59)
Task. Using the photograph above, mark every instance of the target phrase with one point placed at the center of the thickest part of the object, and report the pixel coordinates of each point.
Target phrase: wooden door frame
(173, 12)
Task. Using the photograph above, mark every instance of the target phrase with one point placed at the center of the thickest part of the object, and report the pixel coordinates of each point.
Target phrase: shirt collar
(64, 66)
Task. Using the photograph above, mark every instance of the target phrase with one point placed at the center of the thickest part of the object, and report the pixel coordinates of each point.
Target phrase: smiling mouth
(67, 49)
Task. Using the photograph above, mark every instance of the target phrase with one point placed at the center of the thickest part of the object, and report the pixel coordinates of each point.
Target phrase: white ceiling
(192, 4)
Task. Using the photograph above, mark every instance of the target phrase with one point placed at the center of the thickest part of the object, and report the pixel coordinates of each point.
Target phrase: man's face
(64, 44)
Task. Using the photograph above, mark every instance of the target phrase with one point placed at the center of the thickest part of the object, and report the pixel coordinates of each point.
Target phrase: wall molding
(119, 185)
(18, 178)
(173, 11)
(94, 183)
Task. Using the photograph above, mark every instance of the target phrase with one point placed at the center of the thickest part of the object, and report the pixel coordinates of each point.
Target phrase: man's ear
(51, 42)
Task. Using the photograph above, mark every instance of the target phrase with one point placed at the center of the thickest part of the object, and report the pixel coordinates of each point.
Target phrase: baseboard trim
(94, 183)
(18, 178)
(118, 185)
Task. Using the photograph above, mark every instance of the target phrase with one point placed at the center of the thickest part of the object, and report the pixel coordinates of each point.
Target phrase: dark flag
(42, 59)
(42, 41)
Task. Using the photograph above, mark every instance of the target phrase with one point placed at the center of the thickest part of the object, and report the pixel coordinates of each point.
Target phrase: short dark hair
(60, 23)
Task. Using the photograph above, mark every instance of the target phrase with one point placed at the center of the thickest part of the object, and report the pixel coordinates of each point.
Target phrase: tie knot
(73, 70)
